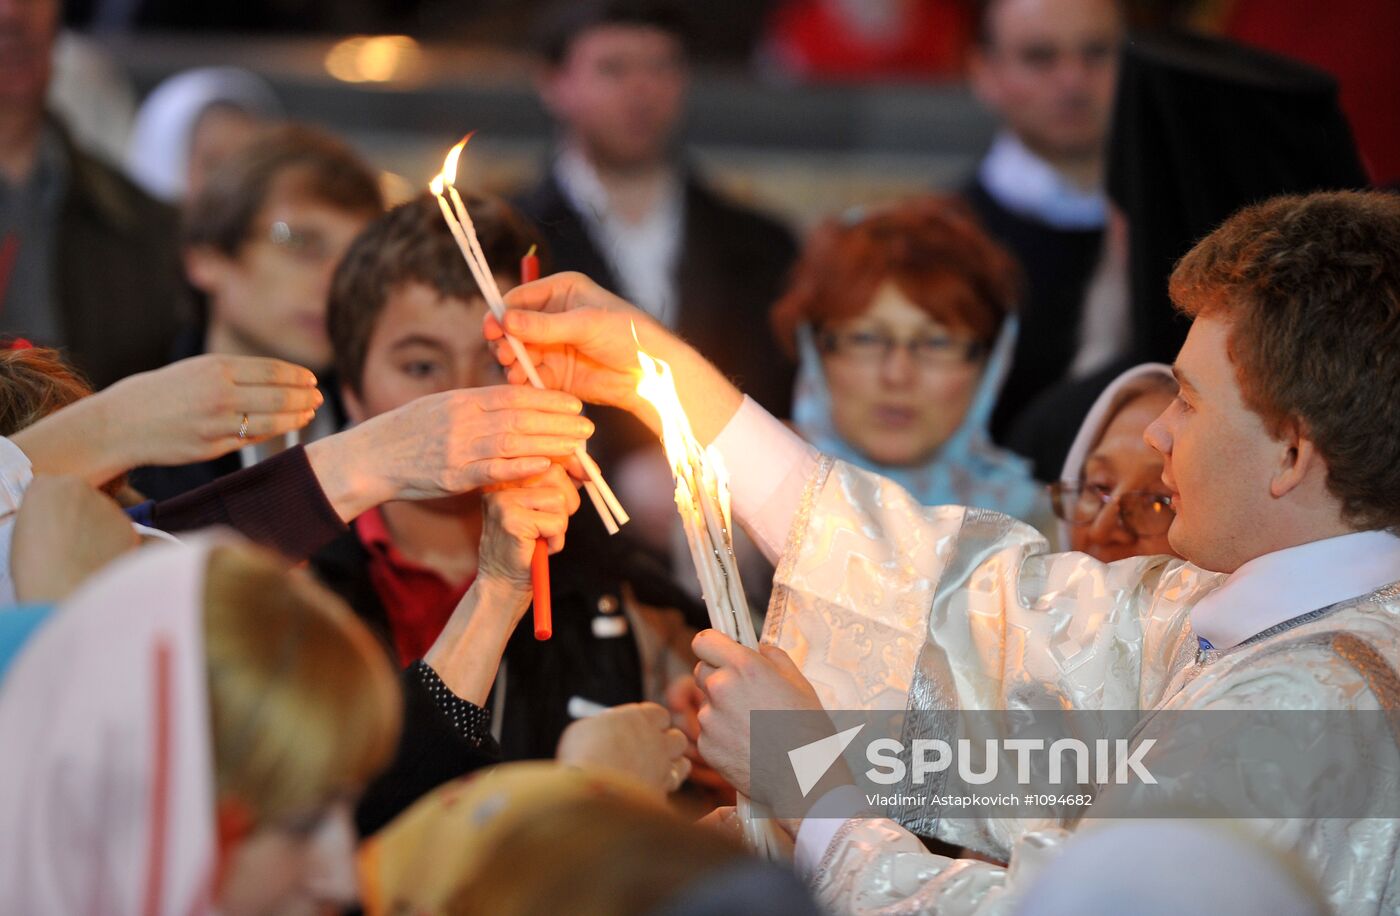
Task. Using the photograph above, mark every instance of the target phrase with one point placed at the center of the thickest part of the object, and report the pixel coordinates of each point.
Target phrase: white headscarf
(1100, 415)
(158, 157)
(106, 778)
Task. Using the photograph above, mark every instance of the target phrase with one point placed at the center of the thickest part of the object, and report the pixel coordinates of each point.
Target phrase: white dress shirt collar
(1024, 183)
(643, 255)
(1279, 586)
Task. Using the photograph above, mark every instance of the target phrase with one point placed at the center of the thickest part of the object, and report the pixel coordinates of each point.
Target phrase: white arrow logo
(811, 761)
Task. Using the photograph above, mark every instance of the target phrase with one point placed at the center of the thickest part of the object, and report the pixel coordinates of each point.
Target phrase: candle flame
(449, 165)
(436, 185)
(658, 387)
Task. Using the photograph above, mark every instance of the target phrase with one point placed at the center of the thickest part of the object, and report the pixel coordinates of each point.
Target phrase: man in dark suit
(1047, 69)
(88, 263)
(619, 203)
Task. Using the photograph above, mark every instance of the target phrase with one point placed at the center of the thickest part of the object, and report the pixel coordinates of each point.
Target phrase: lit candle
(702, 499)
(459, 222)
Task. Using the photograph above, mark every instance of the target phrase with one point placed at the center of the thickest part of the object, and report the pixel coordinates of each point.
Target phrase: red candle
(539, 563)
(539, 578)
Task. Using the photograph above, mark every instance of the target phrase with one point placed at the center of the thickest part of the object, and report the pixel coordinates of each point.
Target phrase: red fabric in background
(808, 41)
(417, 600)
(1354, 40)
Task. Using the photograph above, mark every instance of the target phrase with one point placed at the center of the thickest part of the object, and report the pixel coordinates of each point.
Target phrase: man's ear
(1298, 456)
(206, 267)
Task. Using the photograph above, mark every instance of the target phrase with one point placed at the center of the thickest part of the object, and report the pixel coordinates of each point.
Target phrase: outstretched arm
(569, 312)
(188, 411)
(585, 340)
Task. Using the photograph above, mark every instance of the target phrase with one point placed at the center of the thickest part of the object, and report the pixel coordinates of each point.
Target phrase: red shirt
(417, 600)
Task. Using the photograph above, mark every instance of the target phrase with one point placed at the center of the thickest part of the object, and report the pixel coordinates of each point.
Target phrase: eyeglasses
(1142, 514)
(870, 348)
(306, 245)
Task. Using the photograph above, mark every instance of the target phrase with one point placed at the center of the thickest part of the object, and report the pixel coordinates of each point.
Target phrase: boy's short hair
(222, 215)
(412, 244)
(1310, 287)
(565, 20)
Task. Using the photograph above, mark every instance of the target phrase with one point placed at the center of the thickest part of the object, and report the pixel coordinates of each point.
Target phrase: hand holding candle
(464, 232)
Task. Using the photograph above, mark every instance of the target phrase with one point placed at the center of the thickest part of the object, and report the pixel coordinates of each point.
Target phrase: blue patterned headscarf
(967, 470)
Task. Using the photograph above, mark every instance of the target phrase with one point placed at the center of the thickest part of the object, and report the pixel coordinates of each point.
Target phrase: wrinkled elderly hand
(636, 739)
(467, 653)
(519, 514)
(64, 532)
(735, 682)
(448, 443)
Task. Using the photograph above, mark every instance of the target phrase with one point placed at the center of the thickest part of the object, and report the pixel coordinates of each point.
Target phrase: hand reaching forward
(584, 340)
(636, 739)
(192, 410)
(580, 337)
(447, 443)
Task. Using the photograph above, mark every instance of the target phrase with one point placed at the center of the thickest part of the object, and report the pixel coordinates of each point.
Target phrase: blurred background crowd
(933, 234)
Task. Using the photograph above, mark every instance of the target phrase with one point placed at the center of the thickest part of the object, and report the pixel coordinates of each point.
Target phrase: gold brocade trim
(1377, 672)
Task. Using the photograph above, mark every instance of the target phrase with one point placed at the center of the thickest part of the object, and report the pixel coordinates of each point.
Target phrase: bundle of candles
(459, 221)
(702, 497)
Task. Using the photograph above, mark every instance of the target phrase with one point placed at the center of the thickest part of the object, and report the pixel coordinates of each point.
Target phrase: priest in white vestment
(1283, 455)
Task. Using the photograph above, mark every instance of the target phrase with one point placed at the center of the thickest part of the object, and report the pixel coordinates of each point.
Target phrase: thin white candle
(604, 501)
(702, 501)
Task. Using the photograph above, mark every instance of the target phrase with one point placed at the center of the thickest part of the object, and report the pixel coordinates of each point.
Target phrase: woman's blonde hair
(304, 703)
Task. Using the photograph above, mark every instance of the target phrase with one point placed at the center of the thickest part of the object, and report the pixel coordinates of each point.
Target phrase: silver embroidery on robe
(887, 604)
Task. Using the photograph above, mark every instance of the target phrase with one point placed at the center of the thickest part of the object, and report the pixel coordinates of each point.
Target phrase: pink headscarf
(106, 774)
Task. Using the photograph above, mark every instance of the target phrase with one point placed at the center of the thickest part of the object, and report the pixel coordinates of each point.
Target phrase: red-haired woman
(902, 319)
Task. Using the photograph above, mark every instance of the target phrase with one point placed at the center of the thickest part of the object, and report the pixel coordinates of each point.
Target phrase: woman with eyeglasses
(903, 322)
(1110, 499)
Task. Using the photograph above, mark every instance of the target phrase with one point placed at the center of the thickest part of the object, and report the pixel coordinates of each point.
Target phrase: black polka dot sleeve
(467, 719)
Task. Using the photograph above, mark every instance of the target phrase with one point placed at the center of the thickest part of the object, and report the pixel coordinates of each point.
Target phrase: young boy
(405, 321)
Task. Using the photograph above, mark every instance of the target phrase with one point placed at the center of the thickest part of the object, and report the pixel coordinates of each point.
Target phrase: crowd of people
(1108, 427)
